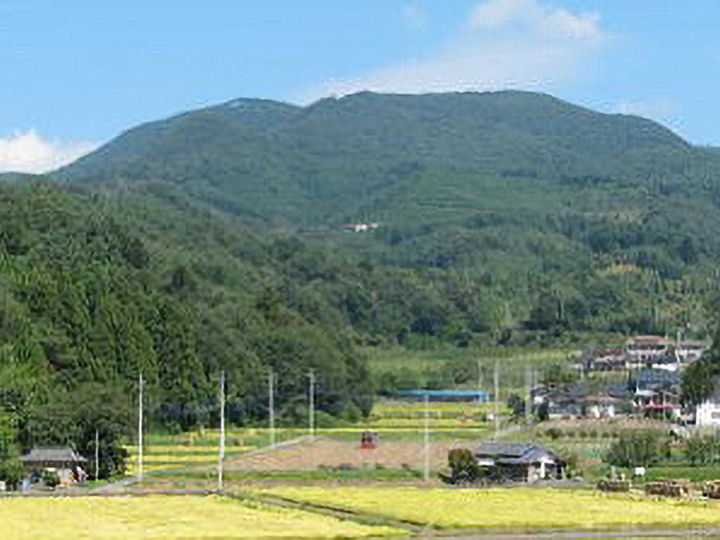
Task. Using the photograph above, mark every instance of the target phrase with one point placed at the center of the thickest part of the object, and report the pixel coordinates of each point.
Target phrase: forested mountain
(386, 157)
(558, 217)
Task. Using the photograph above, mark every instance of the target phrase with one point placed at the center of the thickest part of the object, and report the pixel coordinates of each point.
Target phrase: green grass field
(397, 358)
(166, 517)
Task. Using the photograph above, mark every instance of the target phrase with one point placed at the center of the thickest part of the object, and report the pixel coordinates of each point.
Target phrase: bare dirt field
(323, 452)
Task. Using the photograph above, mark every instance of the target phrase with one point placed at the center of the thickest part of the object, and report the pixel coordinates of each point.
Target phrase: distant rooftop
(59, 454)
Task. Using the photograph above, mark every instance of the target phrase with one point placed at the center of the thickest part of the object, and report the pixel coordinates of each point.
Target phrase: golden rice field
(511, 508)
(171, 457)
(165, 517)
(418, 424)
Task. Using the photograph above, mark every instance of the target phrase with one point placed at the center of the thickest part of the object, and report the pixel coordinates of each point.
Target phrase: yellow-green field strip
(166, 517)
(509, 509)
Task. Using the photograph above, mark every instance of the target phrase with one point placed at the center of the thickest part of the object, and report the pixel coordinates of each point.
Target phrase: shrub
(13, 474)
(554, 433)
(50, 478)
(637, 449)
(703, 449)
(463, 466)
(351, 413)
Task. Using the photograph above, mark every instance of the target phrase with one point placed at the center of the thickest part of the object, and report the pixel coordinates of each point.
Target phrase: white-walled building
(708, 412)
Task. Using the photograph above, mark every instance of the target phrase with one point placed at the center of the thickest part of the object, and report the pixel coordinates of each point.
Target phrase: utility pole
(426, 460)
(480, 378)
(311, 374)
(140, 431)
(271, 406)
(221, 463)
(97, 454)
(528, 394)
(497, 396)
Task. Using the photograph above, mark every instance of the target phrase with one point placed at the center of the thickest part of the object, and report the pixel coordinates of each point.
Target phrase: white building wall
(708, 413)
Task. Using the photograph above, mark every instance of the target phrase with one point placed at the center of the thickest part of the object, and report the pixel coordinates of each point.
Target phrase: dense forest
(212, 241)
(509, 210)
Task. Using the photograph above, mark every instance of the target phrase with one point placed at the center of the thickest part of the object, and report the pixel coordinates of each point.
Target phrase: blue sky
(75, 74)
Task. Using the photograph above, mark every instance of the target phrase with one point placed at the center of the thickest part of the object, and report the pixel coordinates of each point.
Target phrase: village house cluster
(642, 378)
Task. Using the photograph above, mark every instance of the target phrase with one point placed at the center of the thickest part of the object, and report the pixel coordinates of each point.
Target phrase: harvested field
(322, 452)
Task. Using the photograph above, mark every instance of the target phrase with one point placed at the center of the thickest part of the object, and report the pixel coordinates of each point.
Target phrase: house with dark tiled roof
(519, 462)
(63, 459)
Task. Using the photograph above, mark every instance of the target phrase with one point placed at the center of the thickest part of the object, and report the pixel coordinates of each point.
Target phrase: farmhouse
(519, 462)
(643, 350)
(687, 351)
(64, 459)
(604, 360)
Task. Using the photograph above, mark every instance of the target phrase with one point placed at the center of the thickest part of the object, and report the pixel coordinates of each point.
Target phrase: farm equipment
(711, 489)
(616, 486)
(669, 488)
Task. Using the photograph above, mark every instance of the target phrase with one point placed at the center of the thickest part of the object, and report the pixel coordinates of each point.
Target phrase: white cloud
(524, 44)
(29, 152)
(415, 16)
(494, 13)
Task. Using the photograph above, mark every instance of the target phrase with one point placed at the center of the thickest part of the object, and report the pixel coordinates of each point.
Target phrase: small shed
(519, 462)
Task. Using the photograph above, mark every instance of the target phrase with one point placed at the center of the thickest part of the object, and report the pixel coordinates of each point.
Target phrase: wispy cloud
(526, 44)
(29, 152)
(415, 16)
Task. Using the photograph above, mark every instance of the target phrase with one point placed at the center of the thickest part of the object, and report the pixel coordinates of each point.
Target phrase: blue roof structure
(447, 393)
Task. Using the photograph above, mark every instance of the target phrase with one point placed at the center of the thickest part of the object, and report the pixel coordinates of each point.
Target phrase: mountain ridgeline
(371, 155)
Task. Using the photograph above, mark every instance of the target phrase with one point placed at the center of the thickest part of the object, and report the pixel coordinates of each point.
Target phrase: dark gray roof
(513, 453)
(62, 454)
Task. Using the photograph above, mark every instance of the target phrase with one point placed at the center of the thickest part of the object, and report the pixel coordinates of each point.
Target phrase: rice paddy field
(392, 420)
(165, 517)
(517, 508)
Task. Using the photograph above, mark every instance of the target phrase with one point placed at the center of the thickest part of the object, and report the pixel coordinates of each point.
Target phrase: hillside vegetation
(504, 210)
(211, 241)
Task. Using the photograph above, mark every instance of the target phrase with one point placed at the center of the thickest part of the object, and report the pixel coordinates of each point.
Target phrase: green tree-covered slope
(393, 157)
(562, 217)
